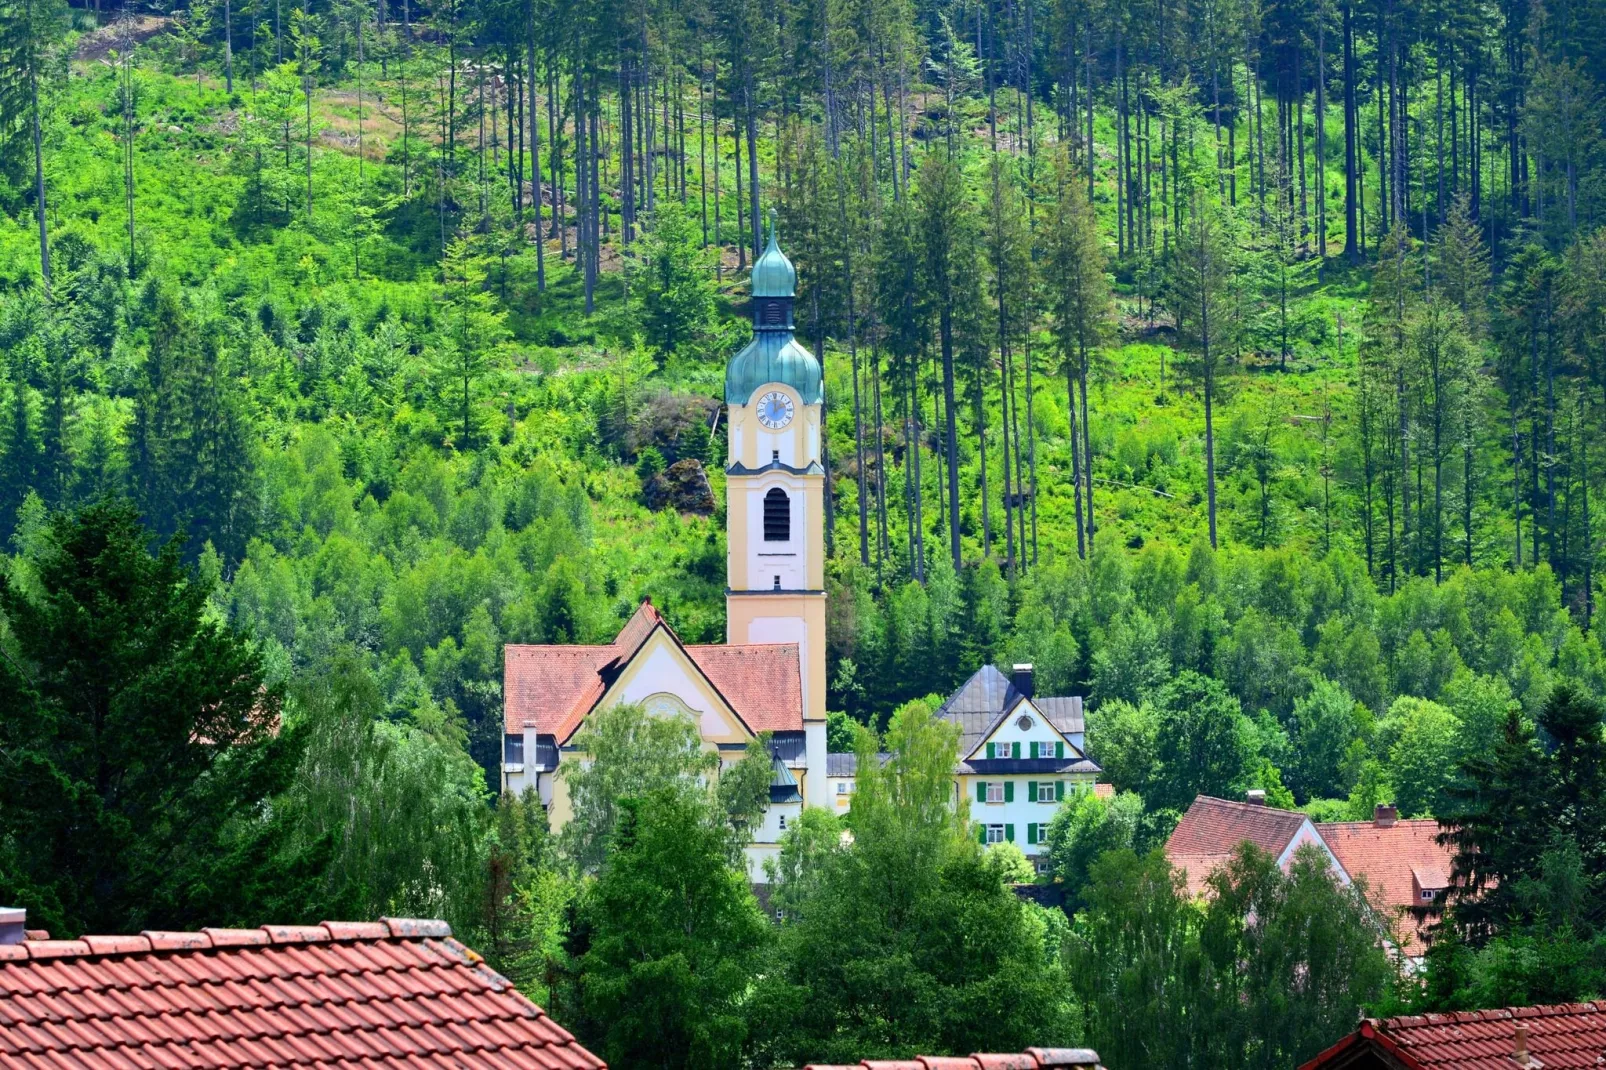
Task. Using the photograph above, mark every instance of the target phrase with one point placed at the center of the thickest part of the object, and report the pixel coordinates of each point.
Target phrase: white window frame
(1045, 791)
(844, 787)
(995, 834)
(1428, 895)
(995, 791)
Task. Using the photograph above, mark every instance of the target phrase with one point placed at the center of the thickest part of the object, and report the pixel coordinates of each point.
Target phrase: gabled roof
(1562, 1037)
(1389, 856)
(552, 688)
(394, 993)
(983, 702)
(1209, 834)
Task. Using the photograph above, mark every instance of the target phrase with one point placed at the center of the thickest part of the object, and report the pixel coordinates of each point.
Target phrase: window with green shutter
(1009, 833)
(981, 791)
(1009, 791)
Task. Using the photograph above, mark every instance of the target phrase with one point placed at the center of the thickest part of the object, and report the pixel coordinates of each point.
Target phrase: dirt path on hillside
(98, 44)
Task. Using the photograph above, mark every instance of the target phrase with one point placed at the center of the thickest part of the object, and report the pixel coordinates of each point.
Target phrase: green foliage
(141, 745)
(877, 954)
(1166, 981)
(1083, 830)
(669, 940)
(628, 754)
(671, 278)
(404, 806)
(1201, 743)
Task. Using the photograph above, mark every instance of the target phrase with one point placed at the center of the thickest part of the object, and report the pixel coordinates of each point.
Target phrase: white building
(1020, 757)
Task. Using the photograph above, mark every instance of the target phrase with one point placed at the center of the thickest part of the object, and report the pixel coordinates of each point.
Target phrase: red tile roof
(1563, 1037)
(1210, 832)
(1393, 858)
(395, 993)
(552, 688)
(762, 681)
(1030, 1059)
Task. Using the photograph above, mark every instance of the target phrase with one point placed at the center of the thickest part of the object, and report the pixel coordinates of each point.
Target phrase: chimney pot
(1255, 797)
(1384, 815)
(1021, 677)
(1520, 1052)
(13, 925)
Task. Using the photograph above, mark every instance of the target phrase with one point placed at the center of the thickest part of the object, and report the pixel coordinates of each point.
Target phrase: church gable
(661, 669)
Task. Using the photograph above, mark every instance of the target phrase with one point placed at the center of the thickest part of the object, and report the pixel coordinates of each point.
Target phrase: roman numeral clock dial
(775, 410)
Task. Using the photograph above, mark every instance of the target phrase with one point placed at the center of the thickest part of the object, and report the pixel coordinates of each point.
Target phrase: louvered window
(777, 516)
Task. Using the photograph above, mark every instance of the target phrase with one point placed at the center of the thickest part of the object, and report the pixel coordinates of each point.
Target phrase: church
(769, 675)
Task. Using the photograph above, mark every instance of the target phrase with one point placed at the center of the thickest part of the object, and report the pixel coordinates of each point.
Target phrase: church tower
(775, 497)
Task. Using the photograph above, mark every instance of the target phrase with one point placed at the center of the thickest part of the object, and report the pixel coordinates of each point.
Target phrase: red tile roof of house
(1030, 1059)
(394, 993)
(1210, 832)
(1562, 1037)
(552, 688)
(1394, 858)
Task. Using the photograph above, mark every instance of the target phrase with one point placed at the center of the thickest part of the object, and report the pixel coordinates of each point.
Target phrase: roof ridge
(148, 941)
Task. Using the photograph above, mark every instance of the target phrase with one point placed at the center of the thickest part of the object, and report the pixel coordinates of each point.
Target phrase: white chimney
(13, 925)
(1255, 797)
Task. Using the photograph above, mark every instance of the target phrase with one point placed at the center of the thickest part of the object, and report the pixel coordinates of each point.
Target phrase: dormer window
(777, 516)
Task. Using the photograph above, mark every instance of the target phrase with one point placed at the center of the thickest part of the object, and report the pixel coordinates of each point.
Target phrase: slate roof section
(1209, 834)
(847, 763)
(551, 688)
(396, 993)
(1030, 1059)
(1562, 1037)
(988, 697)
(1390, 857)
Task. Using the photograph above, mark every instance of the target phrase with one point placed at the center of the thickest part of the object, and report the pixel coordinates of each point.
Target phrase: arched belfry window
(777, 516)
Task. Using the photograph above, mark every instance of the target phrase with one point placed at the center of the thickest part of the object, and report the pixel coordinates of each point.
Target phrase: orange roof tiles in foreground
(1030, 1059)
(1563, 1037)
(394, 993)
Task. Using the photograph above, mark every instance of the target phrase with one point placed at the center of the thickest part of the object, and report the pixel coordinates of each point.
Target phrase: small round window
(1025, 723)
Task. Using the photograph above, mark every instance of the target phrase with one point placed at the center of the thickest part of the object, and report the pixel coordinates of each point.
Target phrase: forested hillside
(1263, 342)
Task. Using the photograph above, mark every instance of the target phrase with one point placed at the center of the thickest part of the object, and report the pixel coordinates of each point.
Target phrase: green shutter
(1031, 832)
(1009, 833)
(1059, 748)
(981, 833)
(1059, 790)
(981, 791)
(1031, 791)
(990, 750)
(1009, 791)
(1014, 750)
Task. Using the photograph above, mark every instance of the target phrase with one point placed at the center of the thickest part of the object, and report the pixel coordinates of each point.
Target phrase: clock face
(775, 410)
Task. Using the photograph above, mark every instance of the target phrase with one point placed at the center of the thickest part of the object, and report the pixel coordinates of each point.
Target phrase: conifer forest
(1240, 364)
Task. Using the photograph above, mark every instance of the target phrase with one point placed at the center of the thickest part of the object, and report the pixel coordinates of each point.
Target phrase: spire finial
(772, 226)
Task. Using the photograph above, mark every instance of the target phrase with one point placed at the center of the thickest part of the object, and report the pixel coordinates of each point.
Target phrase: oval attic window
(1025, 723)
